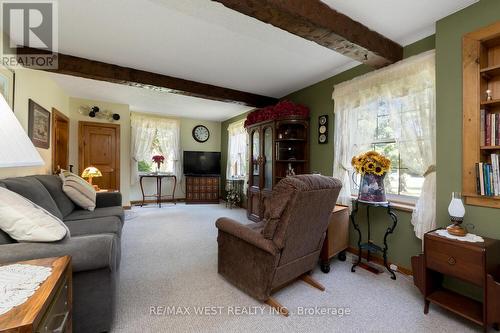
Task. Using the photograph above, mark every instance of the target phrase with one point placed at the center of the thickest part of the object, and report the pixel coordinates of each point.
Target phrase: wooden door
(99, 146)
(60, 141)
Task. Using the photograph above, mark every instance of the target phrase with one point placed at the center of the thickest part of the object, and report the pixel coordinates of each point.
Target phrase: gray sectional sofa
(94, 246)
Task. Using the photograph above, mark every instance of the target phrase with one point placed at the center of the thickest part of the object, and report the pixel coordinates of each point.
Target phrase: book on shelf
(483, 127)
(488, 177)
(490, 129)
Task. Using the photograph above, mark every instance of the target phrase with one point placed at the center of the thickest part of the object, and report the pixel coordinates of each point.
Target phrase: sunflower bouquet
(371, 162)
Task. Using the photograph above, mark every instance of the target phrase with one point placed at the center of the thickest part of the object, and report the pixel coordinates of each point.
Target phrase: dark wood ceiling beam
(317, 22)
(96, 70)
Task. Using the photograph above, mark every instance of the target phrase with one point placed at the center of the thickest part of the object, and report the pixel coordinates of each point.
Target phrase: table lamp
(91, 172)
(16, 148)
(456, 210)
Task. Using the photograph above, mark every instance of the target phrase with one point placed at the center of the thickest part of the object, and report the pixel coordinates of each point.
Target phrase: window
(402, 180)
(391, 111)
(148, 165)
(152, 136)
(237, 150)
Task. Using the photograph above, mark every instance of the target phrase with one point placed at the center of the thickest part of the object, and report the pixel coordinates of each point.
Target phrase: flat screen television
(201, 163)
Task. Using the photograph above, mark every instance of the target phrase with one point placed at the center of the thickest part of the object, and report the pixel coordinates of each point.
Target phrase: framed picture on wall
(38, 125)
(7, 80)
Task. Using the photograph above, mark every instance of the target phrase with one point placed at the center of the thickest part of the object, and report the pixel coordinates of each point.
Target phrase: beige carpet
(170, 260)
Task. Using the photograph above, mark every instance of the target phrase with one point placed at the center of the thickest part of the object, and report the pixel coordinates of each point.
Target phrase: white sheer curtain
(142, 136)
(169, 138)
(145, 129)
(237, 150)
(405, 94)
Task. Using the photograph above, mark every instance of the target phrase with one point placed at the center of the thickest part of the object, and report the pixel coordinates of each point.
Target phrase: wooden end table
(337, 237)
(477, 264)
(49, 308)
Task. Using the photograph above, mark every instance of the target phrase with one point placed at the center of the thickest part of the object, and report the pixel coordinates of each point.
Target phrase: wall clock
(201, 133)
(323, 129)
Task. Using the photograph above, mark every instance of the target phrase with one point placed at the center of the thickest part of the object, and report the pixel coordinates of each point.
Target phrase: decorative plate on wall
(323, 129)
(201, 133)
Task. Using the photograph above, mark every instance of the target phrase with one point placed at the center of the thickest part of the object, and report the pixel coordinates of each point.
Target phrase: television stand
(202, 189)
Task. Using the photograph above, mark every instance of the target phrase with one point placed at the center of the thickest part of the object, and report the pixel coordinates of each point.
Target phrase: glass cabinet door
(255, 167)
(268, 158)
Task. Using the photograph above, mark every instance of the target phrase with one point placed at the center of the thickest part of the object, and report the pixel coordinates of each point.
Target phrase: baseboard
(139, 202)
(380, 261)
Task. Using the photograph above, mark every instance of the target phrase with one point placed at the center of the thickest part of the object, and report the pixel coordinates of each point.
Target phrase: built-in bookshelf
(481, 117)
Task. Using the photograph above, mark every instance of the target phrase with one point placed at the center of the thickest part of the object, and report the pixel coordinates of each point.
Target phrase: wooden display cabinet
(275, 147)
(481, 72)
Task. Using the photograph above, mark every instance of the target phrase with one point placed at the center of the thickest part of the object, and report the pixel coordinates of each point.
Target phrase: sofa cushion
(33, 190)
(25, 221)
(94, 226)
(81, 214)
(4, 238)
(53, 184)
(78, 190)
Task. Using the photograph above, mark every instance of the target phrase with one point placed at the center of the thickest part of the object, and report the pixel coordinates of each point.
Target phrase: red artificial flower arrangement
(158, 159)
(280, 110)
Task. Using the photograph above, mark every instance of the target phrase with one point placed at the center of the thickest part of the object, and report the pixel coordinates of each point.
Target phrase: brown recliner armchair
(261, 257)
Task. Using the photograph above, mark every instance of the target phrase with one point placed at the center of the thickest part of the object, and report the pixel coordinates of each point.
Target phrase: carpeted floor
(169, 272)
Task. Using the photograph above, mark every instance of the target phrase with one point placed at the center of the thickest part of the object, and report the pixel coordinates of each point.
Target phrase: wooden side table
(49, 308)
(475, 263)
(159, 177)
(337, 237)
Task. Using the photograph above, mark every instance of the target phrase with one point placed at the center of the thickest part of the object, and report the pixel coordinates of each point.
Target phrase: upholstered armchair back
(297, 214)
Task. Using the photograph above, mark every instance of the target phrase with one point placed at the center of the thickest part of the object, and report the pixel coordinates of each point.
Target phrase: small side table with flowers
(158, 196)
(373, 168)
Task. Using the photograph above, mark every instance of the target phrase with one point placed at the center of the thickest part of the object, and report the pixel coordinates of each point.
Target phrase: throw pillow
(78, 190)
(25, 221)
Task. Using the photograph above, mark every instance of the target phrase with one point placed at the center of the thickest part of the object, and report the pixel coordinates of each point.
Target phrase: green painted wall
(318, 97)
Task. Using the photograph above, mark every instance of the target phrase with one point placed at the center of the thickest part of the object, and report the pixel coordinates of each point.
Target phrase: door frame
(82, 124)
(58, 115)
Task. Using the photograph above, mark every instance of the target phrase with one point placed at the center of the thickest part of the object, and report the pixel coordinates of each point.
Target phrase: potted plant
(372, 167)
(158, 159)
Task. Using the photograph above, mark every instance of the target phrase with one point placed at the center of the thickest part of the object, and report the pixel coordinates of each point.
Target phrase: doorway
(99, 146)
(60, 141)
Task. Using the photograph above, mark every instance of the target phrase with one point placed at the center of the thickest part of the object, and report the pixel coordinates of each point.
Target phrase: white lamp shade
(16, 148)
(456, 208)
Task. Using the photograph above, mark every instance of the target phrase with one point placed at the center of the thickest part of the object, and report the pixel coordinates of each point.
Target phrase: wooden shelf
(458, 304)
(490, 72)
(475, 195)
(474, 199)
(494, 102)
(480, 71)
(490, 148)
